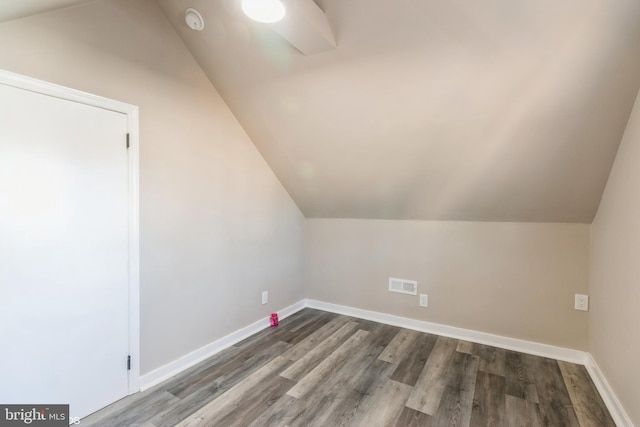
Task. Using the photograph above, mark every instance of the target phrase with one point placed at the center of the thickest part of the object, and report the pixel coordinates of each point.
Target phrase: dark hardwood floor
(323, 369)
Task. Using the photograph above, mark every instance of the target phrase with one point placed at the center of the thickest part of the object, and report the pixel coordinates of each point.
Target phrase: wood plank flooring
(324, 369)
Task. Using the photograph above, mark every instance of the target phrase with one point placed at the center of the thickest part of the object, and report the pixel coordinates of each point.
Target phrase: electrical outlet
(424, 300)
(265, 297)
(582, 302)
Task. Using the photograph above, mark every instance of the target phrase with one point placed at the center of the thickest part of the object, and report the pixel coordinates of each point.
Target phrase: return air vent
(403, 286)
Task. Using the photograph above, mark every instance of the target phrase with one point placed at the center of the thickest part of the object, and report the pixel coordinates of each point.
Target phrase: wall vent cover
(403, 286)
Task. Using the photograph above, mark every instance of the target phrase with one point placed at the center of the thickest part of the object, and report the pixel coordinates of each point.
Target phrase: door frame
(131, 111)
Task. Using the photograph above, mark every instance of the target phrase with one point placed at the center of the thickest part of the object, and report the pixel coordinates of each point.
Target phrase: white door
(64, 313)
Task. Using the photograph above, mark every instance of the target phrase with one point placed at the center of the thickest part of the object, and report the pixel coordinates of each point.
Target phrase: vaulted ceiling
(490, 110)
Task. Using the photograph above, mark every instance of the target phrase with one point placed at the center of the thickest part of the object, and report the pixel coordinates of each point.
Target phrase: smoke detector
(194, 19)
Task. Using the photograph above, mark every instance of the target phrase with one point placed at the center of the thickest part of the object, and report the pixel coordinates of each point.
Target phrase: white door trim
(50, 89)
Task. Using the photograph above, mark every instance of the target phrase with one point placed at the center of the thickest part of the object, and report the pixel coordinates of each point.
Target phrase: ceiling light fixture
(267, 11)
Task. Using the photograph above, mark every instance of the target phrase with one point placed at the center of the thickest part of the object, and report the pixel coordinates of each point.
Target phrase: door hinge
(128, 363)
(127, 141)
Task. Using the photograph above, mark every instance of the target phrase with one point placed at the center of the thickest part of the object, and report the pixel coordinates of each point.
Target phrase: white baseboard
(610, 399)
(569, 355)
(544, 350)
(170, 369)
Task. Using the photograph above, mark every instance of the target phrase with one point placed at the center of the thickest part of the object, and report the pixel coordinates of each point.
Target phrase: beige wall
(614, 334)
(511, 279)
(216, 225)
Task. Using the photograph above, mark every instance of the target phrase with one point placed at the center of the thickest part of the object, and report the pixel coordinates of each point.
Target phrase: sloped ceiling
(490, 110)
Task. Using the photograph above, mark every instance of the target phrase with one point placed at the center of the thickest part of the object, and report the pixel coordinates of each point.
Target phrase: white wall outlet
(582, 302)
(424, 300)
(265, 297)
